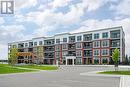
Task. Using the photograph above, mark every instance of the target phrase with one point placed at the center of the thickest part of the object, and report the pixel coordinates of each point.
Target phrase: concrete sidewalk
(124, 79)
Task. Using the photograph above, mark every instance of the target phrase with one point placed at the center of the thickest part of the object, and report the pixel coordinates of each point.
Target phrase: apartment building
(90, 47)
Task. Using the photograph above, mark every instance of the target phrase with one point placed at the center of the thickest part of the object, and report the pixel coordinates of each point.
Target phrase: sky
(35, 18)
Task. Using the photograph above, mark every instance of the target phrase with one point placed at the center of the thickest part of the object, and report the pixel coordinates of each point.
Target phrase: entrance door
(69, 61)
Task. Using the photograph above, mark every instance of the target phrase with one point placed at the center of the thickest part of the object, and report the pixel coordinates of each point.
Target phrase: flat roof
(100, 29)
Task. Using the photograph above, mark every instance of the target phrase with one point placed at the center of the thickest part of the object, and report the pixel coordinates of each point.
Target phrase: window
(57, 40)
(96, 52)
(57, 47)
(105, 60)
(96, 36)
(35, 43)
(87, 37)
(79, 60)
(64, 46)
(64, 39)
(40, 42)
(105, 43)
(26, 44)
(115, 34)
(96, 44)
(57, 54)
(72, 39)
(78, 53)
(115, 43)
(49, 42)
(78, 45)
(105, 51)
(105, 35)
(96, 60)
(79, 38)
(64, 53)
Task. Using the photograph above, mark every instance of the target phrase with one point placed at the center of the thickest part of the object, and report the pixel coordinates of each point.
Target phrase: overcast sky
(34, 18)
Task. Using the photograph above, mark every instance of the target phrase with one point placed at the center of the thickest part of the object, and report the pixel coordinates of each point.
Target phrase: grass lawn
(6, 69)
(116, 72)
(40, 67)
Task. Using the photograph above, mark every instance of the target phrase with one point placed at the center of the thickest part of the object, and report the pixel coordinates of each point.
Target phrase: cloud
(2, 21)
(20, 4)
(11, 33)
(122, 8)
(3, 51)
(59, 3)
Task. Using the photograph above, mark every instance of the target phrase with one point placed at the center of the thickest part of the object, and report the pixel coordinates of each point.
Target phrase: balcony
(71, 53)
(21, 45)
(71, 47)
(115, 34)
(30, 44)
(49, 55)
(87, 53)
(71, 39)
(49, 42)
(49, 48)
(115, 43)
(87, 37)
(87, 45)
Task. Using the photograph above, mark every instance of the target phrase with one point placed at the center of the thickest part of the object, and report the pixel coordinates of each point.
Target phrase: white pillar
(73, 61)
(66, 61)
(57, 63)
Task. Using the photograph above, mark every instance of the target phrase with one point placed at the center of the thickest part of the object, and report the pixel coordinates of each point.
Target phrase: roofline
(100, 29)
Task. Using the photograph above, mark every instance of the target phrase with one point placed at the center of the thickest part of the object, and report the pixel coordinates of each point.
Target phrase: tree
(115, 58)
(13, 55)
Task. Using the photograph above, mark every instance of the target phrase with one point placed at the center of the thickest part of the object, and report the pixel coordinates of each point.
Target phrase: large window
(64, 53)
(40, 42)
(64, 46)
(79, 38)
(105, 35)
(96, 44)
(26, 44)
(115, 43)
(57, 54)
(49, 42)
(78, 45)
(105, 43)
(96, 36)
(87, 37)
(57, 40)
(105, 52)
(115, 34)
(96, 52)
(71, 38)
(35, 43)
(105, 60)
(64, 39)
(78, 53)
(96, 60)
(57, 48)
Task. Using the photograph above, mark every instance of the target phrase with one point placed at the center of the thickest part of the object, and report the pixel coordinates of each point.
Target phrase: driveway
(64, 77)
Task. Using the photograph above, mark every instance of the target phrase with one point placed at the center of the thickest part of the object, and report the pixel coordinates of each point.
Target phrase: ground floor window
(96, 60)
(104, 60)
(78, 61)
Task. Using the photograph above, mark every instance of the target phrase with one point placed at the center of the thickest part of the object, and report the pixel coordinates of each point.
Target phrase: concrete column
(66, 61)
(73, 61)
(57, 63)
